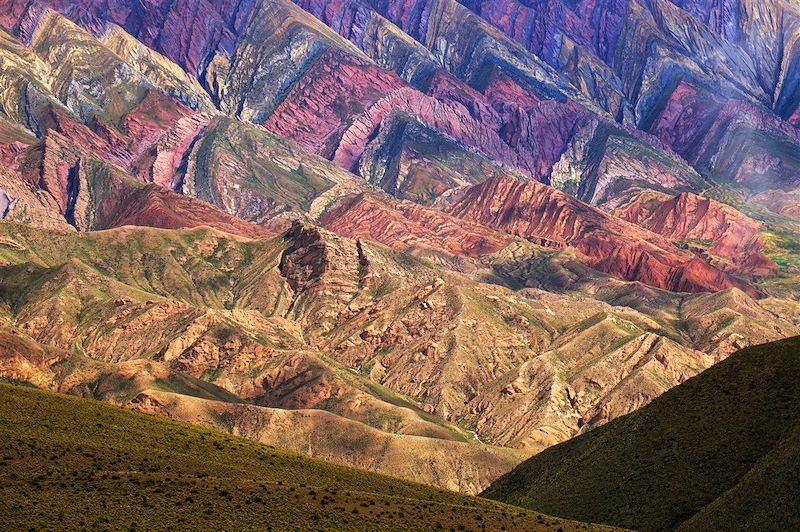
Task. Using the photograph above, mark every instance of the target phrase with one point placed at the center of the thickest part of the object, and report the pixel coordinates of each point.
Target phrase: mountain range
(426, 238)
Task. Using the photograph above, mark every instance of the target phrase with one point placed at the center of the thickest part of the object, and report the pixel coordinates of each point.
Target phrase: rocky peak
(701, 224)
(306, 258)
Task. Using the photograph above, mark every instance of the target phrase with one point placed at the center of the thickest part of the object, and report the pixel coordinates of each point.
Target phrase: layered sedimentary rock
(574, 38)
(273, 51)
(403, 225)
(410, 160)
(308, 114)
(603, 161)
(209, 27)
(611, 245)
(250, 317)
(715, 228)
(391, 270)
(381, 40)
(780, 202)
(258, 176)
(153, 206)
(732, 141)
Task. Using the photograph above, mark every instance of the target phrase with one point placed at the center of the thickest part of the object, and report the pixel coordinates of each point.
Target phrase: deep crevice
(73, 188)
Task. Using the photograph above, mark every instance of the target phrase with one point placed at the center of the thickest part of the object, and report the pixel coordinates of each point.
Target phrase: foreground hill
(69, 463)
(719, 452)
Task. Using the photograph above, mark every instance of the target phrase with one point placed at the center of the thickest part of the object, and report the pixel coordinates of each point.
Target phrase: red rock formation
(340, 104)
(151, 141)
(445, 87)
(689, 217)
(107, 143)
(501, 91)
(453, 122)
(538, 129)
(402, 224)
(148, 122)
(319, 107)
(47, 166)
(153, 206)
(610, 244)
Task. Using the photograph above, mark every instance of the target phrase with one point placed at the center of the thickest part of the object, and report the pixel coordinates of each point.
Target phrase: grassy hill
(68, 463)
(719, 452)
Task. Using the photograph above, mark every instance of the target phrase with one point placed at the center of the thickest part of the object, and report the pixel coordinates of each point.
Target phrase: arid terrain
(427, 238)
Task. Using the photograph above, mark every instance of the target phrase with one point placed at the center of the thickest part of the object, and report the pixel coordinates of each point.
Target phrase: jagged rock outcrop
(611, 245)
(306, 258)
(716, 229)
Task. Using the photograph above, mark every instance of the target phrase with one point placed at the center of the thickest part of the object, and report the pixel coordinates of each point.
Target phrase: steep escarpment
(308, 115)
(378, 38)
(611, 245)
(578, 38)
(718, 229)
(731, 141)
(276, 46)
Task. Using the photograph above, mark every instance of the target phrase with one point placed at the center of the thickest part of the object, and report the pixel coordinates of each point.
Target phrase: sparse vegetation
(68, 463)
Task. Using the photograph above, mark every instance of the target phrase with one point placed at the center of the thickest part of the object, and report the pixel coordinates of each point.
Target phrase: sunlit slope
(70, 463)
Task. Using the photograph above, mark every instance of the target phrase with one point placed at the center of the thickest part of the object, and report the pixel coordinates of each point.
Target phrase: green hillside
(69, 463)
(719, 452)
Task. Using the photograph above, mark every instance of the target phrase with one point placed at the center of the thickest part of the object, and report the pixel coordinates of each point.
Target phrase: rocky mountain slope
(391, 345)
(459, 231)
(672, 466)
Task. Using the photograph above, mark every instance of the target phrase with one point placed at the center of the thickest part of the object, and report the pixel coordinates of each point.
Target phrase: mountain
(442, 234)
(719, 451)
(128, 469)
(395, 347)
(611, 246)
